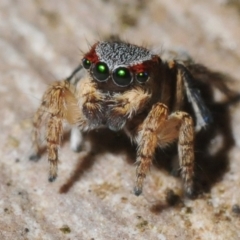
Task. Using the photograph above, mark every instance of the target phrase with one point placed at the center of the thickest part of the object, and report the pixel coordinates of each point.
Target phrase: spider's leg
(147, 140)
(185, 148)
(76, 75)
(58, 104)
(76, 139)
(202, 113)
(186, 84)
(159, 129)
(179, 125)
(38, 119)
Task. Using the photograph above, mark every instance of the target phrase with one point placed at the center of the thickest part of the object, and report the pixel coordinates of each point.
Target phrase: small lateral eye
(122, 76)
(100, 71)
(86, 63)
(142, 77)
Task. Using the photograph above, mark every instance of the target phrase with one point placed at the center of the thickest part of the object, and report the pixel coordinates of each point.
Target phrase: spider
(122, 86)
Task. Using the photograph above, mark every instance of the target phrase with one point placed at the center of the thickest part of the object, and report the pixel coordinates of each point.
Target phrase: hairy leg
(147, 140)
(159, 129)
(58, 104)
(186, 150)
(179, 125)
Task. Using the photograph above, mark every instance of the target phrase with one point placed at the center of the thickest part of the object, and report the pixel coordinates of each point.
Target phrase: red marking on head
(142, 67)
(91, 55)
(145, 66)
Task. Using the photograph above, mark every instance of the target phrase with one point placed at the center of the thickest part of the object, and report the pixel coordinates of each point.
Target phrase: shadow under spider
(102, 141)
(213, 144)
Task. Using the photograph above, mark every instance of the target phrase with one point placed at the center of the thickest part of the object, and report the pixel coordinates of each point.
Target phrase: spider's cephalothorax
(115, 68)
(124, 86)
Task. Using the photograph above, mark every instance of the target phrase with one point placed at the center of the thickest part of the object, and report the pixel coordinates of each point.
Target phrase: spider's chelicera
(122, 86)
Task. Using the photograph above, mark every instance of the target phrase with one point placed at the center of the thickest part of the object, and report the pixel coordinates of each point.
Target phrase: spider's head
(118, 65)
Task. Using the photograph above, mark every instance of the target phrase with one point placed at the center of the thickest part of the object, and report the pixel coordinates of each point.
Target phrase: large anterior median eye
(142, 77)
(122, 76)
(100, 71)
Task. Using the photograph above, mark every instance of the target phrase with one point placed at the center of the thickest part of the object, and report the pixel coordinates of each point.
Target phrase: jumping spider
(122, 86)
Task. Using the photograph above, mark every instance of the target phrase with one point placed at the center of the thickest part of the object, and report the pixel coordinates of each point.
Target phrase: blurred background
(42, 41)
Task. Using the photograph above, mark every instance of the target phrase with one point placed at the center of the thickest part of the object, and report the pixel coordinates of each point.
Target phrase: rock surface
(41, 41)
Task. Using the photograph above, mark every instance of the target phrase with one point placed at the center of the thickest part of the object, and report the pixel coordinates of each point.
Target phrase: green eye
(122, 76)
(86, 63)
(100, 71)
(142, 77)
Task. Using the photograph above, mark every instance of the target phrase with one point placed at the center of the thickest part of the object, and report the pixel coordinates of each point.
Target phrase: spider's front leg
(147, 140)
(159, 129)
(58, 104)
